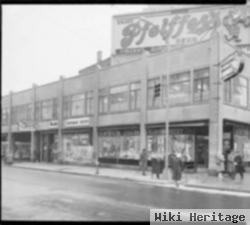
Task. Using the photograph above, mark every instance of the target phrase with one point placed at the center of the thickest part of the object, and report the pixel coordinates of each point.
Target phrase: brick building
(139, 98)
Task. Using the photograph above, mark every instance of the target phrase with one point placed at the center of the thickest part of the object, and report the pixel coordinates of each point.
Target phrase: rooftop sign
(132, 33)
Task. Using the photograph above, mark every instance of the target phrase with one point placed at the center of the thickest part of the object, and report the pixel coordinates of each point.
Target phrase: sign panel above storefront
(152, 31)
(77, 122)
(231, 66)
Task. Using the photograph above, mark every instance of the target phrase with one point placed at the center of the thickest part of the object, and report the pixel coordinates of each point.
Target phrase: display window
(110, 144)
(156, 142)
(119, 144)
(77, 148)
(242, 141)
(130, 145)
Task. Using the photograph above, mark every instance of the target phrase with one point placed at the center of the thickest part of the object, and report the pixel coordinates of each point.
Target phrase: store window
(89, 102)
(103, 100)
(110, 144)
(235, 91)
(77, 148)
(135, 96)
(201, 85)
(119, 98)
(241, 137)
(49, 109)
(154, 93)
(183, 141)
(5, 116)
(179, 89)
(119, 144)
(156, 141)
(130, 145)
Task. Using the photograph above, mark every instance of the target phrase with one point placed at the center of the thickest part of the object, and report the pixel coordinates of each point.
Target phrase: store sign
(132, 33)
(231, 66)
(24, 126)
(48, 124)
(78, 122)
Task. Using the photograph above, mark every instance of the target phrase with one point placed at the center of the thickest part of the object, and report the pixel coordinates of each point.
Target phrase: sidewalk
(195, 180)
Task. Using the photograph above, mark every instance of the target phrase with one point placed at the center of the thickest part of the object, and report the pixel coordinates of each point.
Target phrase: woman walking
(176, 166)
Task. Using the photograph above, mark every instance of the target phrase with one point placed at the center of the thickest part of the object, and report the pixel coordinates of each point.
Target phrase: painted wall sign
(84, 121)
(134, 32)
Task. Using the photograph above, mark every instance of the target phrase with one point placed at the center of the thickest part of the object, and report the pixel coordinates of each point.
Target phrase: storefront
(21, 146)
(119, 145)
(239, 138)
(48, 142)
(78, 146)
(189, 140)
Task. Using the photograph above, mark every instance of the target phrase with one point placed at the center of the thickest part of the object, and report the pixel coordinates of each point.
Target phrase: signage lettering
(147, 32)
(77, 122)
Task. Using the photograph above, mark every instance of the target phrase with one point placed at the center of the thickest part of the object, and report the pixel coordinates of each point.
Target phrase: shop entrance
(201, 151)
(21, 146)
(48, 146)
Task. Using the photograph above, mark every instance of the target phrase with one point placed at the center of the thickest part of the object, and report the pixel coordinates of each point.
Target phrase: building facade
(172, 100)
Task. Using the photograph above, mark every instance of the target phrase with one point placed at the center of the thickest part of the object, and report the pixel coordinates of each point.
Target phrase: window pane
(179, 77)
(179, 93)
(119, 98)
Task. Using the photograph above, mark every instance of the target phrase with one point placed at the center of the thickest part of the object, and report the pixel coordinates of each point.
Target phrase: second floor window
(179, 88)
(235, 91)
(119, 98)
(103, 100)
(48, 109)
(21, 113)
(154, 93)
(201, 85)
(135, 96)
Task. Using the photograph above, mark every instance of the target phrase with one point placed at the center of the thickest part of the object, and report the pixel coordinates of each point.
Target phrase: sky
(42, 42)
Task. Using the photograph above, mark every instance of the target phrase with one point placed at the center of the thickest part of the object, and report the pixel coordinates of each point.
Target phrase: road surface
(40, 195)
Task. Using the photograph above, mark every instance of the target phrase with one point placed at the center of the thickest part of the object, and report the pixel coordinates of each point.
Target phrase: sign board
(77, 122)
(48, 124)
(152, 31)
(25, 126)
(231, 66)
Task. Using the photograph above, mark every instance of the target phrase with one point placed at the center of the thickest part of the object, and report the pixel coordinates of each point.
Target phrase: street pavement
(40, 195)
(200, 181)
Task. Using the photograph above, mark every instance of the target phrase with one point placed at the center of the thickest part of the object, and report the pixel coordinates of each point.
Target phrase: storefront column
(10, 140)
(143, 111)
(33, 139)
(96, 117)
(60, 120)
(215, 104)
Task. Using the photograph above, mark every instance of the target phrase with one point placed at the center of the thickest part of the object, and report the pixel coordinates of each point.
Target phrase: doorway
(47, 147)
(201, 151)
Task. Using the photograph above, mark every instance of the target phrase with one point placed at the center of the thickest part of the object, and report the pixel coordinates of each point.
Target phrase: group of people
(176, 164)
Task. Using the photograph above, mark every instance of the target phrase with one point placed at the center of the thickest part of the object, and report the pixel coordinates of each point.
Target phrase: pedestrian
(144, 161)
(156, 165)
(177, 167)
(230, 164)
(239, 165)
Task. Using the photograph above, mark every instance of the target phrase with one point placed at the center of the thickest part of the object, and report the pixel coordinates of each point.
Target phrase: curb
(162, 184)
(218, 188)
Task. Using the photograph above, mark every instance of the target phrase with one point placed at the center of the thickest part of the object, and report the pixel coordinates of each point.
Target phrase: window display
(110, 144)
(183, 141)
(77, 148)
(156, 142)
(130, 145)
(242, 141)
(119, 144)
